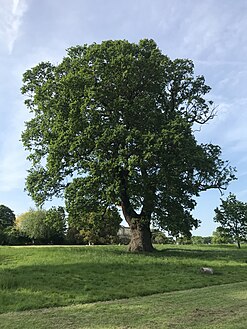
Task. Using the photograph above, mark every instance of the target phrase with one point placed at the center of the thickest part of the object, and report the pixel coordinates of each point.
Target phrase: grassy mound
(41, 281)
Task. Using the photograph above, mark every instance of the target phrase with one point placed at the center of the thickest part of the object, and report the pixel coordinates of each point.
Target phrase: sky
(211, 33)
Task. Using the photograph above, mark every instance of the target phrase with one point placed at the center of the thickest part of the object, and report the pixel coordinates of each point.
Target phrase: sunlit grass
(217, 307)
(38, 277)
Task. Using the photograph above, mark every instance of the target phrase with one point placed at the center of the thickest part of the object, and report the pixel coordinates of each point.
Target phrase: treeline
(219, 236)
(53, 226)
(39, 226)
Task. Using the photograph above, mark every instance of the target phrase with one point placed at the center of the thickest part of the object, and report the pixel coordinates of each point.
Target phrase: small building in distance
(124, 235)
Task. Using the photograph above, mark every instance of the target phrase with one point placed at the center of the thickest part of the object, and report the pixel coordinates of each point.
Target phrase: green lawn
(220, 307)
(36, 280)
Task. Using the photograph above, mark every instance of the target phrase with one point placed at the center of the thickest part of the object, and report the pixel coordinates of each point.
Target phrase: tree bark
(141, 238)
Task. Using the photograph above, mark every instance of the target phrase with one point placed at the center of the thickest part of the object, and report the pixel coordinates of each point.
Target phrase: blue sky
(211, 33)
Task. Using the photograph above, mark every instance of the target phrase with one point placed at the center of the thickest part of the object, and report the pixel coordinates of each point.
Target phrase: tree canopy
(221, 236)
(95, 227)
(7, 217)
(112, 126)
(43, 226)
(232, 216)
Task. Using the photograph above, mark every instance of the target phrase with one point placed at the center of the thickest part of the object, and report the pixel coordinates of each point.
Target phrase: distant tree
(159, 237)
(114, 122)
(232, 216)
(201, 239)
(12, 236)
(43, 226)
(197, 239)
(100, 227)
(7, 217)
(207, 239)
(221, 236)
(183, 240)
(73, 236)
(56, 221)
(32, 224)
(2, 237)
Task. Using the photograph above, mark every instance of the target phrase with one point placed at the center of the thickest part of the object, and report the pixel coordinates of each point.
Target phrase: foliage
(197, 240)
(12, 236)
(221, 236)
(7, 217)
(183, 240)
(73, 236)
(43, 226)
(56, 222)
(201, 239)
(207, 239)
(159, 237)
(32, 224)
(95, 227)
(113, 125)
(2, 237)
(232, 216)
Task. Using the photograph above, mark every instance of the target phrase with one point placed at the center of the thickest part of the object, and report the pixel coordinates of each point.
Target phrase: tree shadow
(106, 277)
(226, 253)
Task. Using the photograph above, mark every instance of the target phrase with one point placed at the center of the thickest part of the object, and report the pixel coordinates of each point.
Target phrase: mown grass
(43, 277)
(217, 307)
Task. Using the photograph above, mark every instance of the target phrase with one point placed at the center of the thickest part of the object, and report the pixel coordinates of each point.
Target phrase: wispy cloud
(213, 32)
(11, 14)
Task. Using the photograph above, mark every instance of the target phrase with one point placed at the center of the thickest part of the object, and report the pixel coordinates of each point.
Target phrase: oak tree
(113, 125)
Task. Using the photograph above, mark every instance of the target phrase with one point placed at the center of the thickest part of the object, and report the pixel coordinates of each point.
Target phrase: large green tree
(232, 216)
(113, 125)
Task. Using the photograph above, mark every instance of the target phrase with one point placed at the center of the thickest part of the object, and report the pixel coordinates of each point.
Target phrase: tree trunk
(141, 238)
(238, 243)
(139, 223)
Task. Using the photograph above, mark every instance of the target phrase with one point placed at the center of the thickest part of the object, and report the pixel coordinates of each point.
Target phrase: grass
(67, 287)
(221, 307)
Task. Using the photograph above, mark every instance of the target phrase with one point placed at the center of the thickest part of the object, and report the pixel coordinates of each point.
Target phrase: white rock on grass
(207, 270)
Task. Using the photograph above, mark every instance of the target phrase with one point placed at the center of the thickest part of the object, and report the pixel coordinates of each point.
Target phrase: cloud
(212, 32)
(11, 15)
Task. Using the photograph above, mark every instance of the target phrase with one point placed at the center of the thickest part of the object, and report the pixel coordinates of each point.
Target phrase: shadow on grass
(224, 253)
(234, 255)
(100, 279)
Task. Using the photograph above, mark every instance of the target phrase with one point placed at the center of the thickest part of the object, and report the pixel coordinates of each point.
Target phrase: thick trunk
(139, 223)
(141, 238)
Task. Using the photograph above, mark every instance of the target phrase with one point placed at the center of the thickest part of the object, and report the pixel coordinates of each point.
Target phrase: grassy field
(106, 287)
